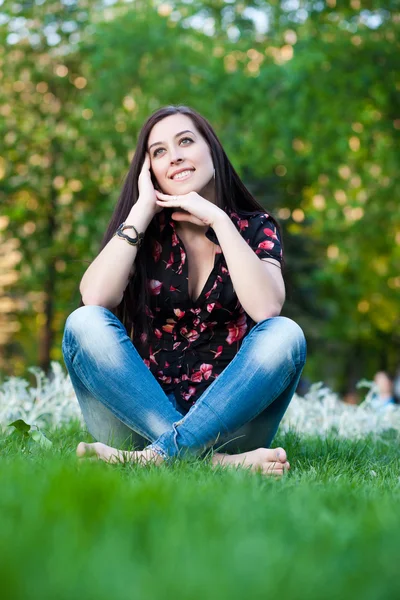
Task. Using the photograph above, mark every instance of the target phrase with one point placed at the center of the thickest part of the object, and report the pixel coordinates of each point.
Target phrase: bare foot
(112, 455)
(267, 461)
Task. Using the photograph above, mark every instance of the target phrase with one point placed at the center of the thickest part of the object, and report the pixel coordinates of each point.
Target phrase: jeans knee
(286, 337)
(86, 326)
(296, 339)
(84, 317)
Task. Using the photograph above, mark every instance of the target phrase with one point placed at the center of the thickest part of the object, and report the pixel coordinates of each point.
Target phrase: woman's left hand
(194, 208)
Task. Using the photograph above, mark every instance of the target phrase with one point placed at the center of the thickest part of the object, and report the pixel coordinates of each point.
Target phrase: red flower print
(266, 245)
(157, 249)
(196, 377)
(236, 329)
(191, 335)
(173, 289)
(157, 333)
(152, 356)
(175, 240)
(164, 378)
(183, 258)
(210, 307)
(203, 327)
(166, 364)
(170, 261)
(192, 391)
(218, 353)
(219, 279)
(179, 313)
(206, 370)
(243, 224)
(143, 338)
(196, 322)
(176, 345)
(185, 377)
(224, 270)
(270, 233)
(196, 311)
(168, 328)
(146, 362)
(154, 286)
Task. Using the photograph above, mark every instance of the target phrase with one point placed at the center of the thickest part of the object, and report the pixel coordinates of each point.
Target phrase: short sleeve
(264, 237)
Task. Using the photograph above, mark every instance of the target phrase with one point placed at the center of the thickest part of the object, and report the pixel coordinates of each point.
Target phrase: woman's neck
(190, 231)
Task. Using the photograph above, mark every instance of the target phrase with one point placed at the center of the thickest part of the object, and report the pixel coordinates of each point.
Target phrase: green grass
(72, 529)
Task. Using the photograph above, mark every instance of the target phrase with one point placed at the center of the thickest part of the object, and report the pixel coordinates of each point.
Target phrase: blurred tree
(46, 172)
(303, 97)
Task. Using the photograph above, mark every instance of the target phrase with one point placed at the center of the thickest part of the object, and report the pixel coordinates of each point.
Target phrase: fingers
(146, 163)
(164, 196)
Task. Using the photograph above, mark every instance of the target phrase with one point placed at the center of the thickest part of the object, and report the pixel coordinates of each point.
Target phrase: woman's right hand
(147, 194)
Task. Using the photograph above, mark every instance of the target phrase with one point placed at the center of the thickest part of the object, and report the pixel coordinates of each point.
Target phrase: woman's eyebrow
(177, 135)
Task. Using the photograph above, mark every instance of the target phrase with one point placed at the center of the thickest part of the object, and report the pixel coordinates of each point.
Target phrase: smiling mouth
(183, 175)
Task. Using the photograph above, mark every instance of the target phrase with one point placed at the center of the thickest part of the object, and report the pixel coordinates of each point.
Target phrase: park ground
(328, 529)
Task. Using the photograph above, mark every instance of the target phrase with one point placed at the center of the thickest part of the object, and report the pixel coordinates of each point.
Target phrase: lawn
(89, 530)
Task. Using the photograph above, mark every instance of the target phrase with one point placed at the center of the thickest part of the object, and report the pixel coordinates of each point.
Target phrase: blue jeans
(123, 403)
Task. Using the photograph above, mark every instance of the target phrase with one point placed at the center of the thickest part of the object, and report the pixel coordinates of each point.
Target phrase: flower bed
(52, 402)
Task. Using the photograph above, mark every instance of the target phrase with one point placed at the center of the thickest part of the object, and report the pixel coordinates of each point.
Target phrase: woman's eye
(187, 139)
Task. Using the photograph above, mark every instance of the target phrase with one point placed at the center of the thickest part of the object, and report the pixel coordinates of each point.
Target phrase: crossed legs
(119, 395)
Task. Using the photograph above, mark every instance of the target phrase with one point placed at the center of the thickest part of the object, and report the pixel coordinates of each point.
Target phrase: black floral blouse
(193, 341)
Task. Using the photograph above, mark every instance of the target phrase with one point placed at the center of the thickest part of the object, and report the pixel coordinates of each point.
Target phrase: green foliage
(26, 434)
(307, 111)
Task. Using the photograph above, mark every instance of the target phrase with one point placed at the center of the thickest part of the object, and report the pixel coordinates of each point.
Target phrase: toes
(81, 449)
(275, 468)
(280, 455)
(85, 450)
(274, 472)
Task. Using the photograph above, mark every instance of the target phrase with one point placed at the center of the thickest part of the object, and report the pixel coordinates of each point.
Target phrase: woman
(178, 346)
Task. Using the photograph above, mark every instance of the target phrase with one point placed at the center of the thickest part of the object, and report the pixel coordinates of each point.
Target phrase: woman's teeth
(182, 175)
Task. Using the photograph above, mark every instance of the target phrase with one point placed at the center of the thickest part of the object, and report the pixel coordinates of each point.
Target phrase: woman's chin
(181, 190)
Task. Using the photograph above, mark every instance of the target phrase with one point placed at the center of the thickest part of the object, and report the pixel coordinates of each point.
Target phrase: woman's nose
(176, 158)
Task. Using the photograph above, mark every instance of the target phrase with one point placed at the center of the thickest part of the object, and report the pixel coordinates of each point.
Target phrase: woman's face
(180, 157)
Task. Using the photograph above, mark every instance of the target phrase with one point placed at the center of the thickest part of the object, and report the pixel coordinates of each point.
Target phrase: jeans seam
(158, 451)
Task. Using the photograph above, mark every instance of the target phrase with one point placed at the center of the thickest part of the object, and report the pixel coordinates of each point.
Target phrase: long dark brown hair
(230, 192)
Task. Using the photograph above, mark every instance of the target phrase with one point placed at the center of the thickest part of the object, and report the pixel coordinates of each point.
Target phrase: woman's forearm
(105, 280)
(259, 292)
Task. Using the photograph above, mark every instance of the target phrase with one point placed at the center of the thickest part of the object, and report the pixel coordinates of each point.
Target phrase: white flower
(321, 411)
(52, 402)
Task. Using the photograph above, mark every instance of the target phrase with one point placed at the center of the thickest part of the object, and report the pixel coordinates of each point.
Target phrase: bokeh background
(304, 96)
